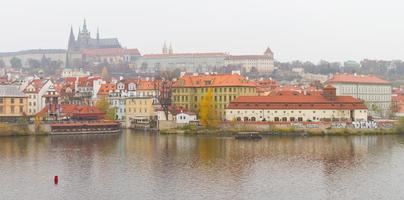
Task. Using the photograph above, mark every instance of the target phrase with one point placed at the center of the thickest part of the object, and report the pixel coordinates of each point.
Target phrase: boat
(248, 136)
(85, 127)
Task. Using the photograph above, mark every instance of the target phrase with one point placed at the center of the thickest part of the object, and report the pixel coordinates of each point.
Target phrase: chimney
(330, 92)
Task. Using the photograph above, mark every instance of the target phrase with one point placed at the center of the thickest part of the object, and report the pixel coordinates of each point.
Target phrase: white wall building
(374, 91)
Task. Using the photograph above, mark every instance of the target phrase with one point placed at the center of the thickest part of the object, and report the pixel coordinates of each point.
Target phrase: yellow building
(189, 90)
(13, 103)
(139, 110)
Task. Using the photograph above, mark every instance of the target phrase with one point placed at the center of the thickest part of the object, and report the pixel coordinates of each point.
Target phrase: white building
(185, 117)
(260, 63)
(291, 108)
(374, 91)
(35, 91)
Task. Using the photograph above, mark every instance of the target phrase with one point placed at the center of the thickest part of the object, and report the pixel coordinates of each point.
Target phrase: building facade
(374, 91)
(292, 108)
(188, 91)
(250, 63)
(13, 103)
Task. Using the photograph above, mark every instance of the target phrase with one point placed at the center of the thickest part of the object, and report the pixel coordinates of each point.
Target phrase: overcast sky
(295, 29)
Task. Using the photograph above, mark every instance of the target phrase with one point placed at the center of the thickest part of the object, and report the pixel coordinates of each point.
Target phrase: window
(21, 109)
(284, 119)
(1, 100)
(277, 119)
(12, 109)
(12, 100)
(1, 109)
(300, 119)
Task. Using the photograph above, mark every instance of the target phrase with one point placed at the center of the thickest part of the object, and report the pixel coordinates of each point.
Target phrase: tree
(103, 105)
(400, 125)
(164, 95)
(16, 63)
(105, 73)
(33, 64)
(2, 64)
(207, 114)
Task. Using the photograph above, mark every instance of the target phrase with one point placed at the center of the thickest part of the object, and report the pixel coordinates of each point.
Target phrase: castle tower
(268, 52)
(72, 39)
(164, 51)
(170, 50)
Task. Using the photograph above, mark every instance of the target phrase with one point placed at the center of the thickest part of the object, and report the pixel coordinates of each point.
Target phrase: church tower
(164, 51)
(269, 53)
(170, 50)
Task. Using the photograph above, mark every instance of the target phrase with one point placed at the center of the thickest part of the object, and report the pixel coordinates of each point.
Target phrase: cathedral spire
(72, 39)
(170, 49)
(98, 33)
(85, 26)
(165, 48)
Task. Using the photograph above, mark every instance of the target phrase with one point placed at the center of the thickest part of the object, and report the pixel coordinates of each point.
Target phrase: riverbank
(193, 130)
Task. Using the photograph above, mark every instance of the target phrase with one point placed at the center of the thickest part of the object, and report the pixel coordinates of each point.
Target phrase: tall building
(375, 91)
(13, 103)
(85, 41)
(188, 91)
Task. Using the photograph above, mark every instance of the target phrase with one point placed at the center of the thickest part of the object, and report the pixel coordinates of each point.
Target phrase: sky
(310, 30)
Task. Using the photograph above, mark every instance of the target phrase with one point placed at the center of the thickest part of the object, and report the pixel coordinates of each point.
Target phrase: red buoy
(56, 179)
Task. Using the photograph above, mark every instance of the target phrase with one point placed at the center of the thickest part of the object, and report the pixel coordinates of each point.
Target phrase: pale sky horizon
(311, 30)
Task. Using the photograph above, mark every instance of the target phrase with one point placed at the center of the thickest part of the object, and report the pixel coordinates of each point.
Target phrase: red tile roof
(296, 102)
(350, 78)
(213, 80)
(106, 88)
(37, 83)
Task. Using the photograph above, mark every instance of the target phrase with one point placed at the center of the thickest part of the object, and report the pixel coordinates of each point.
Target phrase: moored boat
(248, 136)
(85, 127)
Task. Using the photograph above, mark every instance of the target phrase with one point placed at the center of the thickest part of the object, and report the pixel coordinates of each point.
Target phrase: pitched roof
(37, 84)
(10, 91)
(145, 85)
(351, 78)
(106, 88)
(296, 102)
(213, 80)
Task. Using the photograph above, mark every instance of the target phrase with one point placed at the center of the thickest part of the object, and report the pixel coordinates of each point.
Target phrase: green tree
(207, 115)
(400, 126)
(16, 63)
(103, 105)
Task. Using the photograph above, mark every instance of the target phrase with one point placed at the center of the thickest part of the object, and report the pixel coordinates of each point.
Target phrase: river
(145, 166)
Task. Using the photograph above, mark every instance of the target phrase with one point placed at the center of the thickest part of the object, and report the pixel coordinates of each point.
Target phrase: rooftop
(352, 78)
(213, 80)
(10, 91)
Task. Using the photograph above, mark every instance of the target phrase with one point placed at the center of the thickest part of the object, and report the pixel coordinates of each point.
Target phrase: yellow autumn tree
(103, 105)
(207, 115)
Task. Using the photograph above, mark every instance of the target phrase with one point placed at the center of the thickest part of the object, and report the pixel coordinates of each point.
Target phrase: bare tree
(163, 87)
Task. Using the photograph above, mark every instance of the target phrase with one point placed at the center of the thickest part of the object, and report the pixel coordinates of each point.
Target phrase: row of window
(220, 89)
(12, 100)
(12, 109)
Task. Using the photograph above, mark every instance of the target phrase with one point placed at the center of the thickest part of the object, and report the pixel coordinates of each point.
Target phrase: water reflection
(146, 166)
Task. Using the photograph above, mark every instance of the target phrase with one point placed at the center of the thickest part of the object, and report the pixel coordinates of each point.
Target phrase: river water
(144, 166)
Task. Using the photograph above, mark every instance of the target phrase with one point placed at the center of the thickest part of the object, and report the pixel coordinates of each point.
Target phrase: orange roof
(350, 78)
(37, 83)
(145, 85)
(296, 102)
(111, 52)
(213, 80)
(73, 110)
(106, 88)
